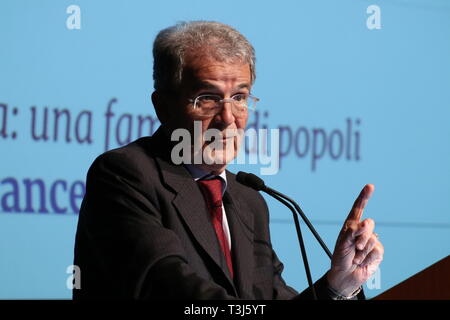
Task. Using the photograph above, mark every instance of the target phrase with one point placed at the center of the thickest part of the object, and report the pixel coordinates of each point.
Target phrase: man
(152, 229)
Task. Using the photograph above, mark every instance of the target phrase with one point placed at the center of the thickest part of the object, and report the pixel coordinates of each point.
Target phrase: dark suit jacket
(144, 232)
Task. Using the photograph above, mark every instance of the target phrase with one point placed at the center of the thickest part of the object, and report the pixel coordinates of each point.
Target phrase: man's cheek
(232, 148)
(241, 123)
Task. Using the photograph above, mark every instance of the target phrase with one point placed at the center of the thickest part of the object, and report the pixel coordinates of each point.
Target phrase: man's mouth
(227, 138)
(222, 138)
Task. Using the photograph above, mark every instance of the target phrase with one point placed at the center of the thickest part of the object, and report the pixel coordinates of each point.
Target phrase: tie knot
(212, 189)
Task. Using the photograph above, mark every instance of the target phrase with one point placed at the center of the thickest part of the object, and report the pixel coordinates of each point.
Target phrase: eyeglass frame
(224, 100)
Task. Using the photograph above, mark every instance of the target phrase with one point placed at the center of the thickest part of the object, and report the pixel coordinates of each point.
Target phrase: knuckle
(379, 249)
(369, 223)
(351, 226)
(370, 245)
(366, 251)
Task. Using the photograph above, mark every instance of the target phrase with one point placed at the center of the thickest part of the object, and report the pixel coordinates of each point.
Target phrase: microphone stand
(300, 240)
(258, 184)
(299, 210)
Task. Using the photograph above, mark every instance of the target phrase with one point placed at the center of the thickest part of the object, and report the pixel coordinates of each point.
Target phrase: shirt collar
(198, 173)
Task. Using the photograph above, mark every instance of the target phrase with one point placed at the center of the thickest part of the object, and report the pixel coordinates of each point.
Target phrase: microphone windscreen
(250, 180)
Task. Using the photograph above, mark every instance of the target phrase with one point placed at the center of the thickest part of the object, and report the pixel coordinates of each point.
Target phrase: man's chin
(218, 161)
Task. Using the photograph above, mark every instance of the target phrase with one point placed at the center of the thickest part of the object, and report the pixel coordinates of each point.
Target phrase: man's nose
(226, 114)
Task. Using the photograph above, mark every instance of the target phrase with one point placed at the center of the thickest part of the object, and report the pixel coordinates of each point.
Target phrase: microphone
(256, 183)
(251, 180)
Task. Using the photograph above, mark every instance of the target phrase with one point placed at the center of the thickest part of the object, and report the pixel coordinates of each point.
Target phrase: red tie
(212, 191)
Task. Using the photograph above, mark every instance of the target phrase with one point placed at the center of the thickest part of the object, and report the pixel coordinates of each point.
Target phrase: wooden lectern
(433, 283)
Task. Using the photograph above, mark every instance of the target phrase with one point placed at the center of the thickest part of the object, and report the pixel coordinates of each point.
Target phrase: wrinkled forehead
(203, 70)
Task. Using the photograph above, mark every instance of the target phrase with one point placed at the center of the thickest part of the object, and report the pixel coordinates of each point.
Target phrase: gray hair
(222, 42)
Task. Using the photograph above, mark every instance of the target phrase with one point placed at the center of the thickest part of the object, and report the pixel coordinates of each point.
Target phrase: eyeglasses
(210, 104)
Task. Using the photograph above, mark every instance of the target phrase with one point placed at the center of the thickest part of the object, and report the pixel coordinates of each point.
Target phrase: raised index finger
(360, 202)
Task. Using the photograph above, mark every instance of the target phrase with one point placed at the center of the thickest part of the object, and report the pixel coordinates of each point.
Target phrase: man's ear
(161, 106)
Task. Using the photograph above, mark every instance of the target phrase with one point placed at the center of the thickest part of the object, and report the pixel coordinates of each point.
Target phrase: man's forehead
(206, 73)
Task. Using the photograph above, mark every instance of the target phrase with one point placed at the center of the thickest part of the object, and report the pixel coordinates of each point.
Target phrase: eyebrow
(206, 85)
(243, 86)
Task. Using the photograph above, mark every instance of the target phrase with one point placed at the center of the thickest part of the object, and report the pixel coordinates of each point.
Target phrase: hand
(358, 252)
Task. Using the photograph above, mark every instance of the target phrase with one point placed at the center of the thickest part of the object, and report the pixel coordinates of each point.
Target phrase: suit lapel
(240, 221)
(189, 202)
